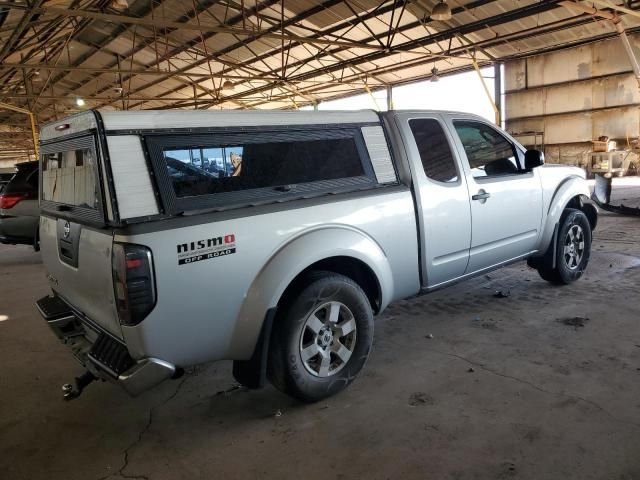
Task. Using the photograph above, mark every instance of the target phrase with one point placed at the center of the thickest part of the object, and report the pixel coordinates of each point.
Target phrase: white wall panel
(557, 94)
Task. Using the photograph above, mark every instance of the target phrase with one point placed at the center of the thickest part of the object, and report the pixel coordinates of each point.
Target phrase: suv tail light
(133, 282)
(10, 200)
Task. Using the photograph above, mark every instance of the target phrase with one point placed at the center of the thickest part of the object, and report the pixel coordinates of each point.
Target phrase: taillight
(10, 200)
(133, 282)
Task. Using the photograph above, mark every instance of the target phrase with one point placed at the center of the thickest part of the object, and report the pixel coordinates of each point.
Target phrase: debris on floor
(420, 398)
(509, 469)
(471, 370)
(490, 325)
(278, 413)
(429, 335)
(574, 322)
(230, 390)
(502, 293)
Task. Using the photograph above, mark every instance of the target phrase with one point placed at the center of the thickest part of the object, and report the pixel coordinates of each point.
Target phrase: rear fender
(289, 260)
(568, 189)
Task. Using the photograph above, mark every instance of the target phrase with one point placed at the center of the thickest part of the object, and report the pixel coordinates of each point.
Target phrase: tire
(573, 249)
(312, 356)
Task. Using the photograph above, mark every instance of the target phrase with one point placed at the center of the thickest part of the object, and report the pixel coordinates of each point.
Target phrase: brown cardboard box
(608, 146)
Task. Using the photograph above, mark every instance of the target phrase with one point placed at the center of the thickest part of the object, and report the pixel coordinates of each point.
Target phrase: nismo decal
(206, 249)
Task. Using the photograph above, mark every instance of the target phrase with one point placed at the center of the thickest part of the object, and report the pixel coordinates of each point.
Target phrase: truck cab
(478, 206)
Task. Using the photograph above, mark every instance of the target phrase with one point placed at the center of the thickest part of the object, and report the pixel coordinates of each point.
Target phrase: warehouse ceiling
(61, 56)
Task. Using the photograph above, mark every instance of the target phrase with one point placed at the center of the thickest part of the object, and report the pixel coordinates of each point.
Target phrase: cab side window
(488, 152)
(435, 151)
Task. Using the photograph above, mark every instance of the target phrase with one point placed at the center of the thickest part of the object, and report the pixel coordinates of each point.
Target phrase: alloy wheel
(328, 339)
(573, 247)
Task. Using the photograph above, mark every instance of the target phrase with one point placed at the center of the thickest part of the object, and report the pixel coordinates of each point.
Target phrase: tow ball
(73, 391)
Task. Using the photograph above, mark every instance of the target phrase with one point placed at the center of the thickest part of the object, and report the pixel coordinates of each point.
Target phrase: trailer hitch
(73, 391)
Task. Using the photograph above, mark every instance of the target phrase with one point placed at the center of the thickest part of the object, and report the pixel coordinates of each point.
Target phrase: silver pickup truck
(173, 238)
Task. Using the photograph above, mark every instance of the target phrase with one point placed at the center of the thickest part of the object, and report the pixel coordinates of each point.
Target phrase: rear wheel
(321, 338)
(573, 249)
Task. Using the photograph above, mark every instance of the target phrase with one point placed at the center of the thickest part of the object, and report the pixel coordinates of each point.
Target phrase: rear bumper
(99, 352)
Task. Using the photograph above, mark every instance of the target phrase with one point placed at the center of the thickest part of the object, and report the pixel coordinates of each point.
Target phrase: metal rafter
(20, 29)
(349, 23)
(499, 19)
(118, 19)
(242, 43)
(167, 56)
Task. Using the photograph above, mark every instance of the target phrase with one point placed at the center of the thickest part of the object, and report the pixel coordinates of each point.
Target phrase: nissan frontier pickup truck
(272, 239)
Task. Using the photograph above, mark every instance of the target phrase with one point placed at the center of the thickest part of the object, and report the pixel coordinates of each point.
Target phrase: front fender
(289, 260)
(569, 188)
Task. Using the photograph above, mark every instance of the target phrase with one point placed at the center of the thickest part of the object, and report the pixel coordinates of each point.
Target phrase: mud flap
(549, 257)
(252, 373)
(602, 190)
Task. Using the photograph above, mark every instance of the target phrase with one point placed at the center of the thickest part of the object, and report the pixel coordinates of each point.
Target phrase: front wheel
(573, 249)
(321, 338)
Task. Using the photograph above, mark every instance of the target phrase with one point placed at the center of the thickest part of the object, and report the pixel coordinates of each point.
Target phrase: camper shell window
(70, 179)
(226, 170)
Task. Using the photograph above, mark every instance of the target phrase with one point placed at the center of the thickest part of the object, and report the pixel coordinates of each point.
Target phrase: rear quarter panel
(213, 309)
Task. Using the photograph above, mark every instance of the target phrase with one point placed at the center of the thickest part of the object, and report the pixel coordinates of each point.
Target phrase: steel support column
(497, 91)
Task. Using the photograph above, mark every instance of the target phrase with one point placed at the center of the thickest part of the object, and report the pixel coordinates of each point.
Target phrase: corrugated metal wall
(574, 96)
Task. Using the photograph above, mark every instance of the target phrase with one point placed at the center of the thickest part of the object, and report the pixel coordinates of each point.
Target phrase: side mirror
(533, 159)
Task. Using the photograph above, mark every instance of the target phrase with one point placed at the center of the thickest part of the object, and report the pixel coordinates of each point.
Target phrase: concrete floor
(504, 389)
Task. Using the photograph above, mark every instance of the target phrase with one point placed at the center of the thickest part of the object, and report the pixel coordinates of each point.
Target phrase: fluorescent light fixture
(80, 102)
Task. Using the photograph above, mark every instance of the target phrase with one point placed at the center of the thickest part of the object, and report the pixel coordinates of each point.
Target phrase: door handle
(481, 195)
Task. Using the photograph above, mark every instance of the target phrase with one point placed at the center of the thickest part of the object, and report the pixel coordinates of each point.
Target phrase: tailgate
(78, 266)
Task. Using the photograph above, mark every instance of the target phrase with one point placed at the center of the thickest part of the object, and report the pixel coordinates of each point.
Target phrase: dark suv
(19, 210)
(4, 179)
